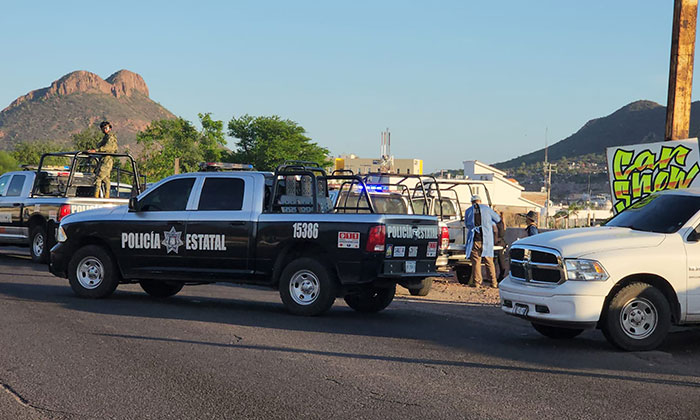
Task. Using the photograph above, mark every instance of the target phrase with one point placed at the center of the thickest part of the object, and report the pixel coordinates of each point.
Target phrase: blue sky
(453, 80)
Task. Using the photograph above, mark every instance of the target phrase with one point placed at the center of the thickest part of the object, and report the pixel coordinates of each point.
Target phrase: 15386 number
(305, 230)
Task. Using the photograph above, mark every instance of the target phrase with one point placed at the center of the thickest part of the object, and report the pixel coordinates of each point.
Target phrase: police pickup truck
(32, 202)
(279, 230)
(632, 278)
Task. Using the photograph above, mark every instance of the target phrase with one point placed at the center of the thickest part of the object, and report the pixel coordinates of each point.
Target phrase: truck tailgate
(411, 245)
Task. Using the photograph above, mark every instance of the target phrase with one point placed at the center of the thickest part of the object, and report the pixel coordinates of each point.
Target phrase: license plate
(520, 310)
(410, 266)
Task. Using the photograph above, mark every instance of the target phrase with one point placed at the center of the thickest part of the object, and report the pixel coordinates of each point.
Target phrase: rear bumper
(544, 305)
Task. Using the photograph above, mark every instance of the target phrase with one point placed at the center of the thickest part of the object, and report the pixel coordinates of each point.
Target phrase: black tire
(637, 318)
(463, 272)
(92, 273)
(161, 289)
(39, 245)
(371, 300)
(307, 287)
(424, 289)
(558, 333)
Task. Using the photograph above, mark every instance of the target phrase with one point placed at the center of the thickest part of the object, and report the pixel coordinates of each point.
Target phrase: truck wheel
(38, 244)
(637, 318)
(307, 287)
(463, 272)
(424, 289)
(91, 273)
(373, 300)
(558, 333)
(161, 289)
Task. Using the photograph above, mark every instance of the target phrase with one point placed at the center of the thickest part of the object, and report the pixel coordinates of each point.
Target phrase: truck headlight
(61, 235)
(585, 270)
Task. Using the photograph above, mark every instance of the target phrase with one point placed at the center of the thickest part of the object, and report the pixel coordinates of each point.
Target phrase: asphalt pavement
(231, 352)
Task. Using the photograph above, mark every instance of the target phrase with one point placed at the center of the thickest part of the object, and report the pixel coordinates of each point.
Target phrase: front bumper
(58, 262)
(549, 306)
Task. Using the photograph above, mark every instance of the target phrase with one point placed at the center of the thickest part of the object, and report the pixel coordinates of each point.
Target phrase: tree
(87, 139)
(211, 138)
(266, 142)
(29, 153)
(166, 140)
(7, 162)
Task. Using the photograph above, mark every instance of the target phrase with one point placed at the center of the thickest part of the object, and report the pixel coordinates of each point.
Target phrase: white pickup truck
(632, 278)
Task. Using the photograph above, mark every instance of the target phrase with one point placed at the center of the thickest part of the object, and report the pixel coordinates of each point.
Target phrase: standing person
(479, 220)
(531, 219)
(500, 240)
(108, 144)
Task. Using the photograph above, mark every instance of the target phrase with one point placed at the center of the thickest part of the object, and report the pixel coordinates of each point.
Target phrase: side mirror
(694, 235)
(133, 204)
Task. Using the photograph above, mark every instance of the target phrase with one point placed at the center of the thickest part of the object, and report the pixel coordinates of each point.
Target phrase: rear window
(389, 205)
(222, 194)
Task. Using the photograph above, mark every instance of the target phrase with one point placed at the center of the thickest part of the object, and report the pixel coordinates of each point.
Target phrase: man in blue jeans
(479, 220)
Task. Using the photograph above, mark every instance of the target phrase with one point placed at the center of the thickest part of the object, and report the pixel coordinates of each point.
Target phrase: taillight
(63, 211)
(376, 239)
(444, 237)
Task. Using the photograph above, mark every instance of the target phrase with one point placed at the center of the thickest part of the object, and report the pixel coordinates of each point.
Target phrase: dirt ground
(447, 289)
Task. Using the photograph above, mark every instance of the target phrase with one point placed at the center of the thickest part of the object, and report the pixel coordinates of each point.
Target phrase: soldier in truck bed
(108, 144)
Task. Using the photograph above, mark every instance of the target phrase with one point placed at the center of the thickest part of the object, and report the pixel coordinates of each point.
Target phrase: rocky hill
(638, 122)
(76, 101)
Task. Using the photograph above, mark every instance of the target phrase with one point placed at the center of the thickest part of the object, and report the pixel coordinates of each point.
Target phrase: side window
(16, 186)
(222, 194)
(171, 196)
(4, 180)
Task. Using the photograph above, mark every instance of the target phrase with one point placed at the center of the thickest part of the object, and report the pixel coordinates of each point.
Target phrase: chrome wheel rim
(304, 287)
(90, 273)
(639, 318)
(38, 245)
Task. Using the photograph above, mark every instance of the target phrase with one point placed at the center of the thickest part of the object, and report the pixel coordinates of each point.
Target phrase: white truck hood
(573, 243)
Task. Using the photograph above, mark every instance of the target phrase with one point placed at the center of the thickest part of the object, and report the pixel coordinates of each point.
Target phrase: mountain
(76, 101)
(637, 122)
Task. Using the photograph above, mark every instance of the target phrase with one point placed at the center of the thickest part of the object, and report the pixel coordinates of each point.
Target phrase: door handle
(16, 204)
(237, 223)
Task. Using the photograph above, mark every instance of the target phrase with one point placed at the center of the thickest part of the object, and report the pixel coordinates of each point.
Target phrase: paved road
(233, 352)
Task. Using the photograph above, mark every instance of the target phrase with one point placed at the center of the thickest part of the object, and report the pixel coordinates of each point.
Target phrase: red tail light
(377, 239)
(63, 211)
(444, 237)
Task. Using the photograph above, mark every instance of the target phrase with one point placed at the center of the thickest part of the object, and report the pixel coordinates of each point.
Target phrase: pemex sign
(638, 170)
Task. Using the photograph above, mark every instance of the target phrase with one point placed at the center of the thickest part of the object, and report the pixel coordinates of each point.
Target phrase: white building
(505, 193)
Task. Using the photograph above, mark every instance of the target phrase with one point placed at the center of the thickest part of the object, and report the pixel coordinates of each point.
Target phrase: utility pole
(680, 78)
(547, 179)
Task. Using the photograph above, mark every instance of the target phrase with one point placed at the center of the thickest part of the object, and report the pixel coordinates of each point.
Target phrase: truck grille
(536, 265)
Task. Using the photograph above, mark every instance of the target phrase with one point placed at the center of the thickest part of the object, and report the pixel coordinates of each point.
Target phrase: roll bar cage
(74, 156)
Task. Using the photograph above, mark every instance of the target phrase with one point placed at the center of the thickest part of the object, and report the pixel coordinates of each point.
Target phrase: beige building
(366, 165)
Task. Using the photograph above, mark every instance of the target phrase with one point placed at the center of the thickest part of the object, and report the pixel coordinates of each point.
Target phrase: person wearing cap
(479, 220)
(108, 144)
(531, 219)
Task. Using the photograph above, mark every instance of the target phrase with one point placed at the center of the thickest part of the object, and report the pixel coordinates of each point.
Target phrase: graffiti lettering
(636, 176)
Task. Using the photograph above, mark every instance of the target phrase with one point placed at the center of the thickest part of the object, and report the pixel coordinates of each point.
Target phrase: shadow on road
(465, 328)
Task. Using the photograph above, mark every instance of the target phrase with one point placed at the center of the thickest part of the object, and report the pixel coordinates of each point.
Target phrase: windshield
(663, 213)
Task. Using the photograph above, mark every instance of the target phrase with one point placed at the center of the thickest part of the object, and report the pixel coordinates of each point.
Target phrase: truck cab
(632, 278)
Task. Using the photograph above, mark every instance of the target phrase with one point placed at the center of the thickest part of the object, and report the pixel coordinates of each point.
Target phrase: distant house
(506, 193)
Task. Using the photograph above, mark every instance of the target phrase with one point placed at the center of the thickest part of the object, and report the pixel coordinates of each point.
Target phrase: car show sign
(638, 170)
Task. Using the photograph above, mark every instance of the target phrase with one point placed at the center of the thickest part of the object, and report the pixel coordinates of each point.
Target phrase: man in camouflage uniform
(108, 144)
